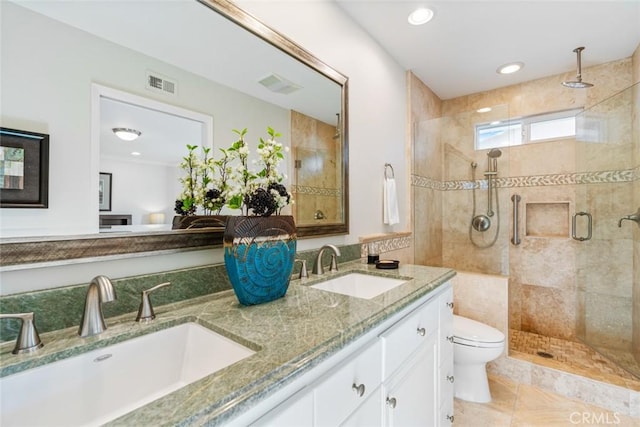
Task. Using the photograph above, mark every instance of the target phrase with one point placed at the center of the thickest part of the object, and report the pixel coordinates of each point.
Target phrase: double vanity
(360, 346)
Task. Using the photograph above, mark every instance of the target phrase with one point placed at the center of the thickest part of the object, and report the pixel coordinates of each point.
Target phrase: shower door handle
(589, 226)
(516, 202)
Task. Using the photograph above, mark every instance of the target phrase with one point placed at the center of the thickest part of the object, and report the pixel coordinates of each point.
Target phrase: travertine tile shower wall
(545, 295)
(316, 152)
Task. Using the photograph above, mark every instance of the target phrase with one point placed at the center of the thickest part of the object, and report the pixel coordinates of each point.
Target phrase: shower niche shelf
(547, 219)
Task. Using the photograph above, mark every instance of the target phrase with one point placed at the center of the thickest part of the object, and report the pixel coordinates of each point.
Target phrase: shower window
(526, 130)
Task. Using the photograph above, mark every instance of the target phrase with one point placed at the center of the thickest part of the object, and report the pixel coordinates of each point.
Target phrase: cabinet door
(369, 414)
(411, 398)
(297, 411)
(345, 389)
(407, 335)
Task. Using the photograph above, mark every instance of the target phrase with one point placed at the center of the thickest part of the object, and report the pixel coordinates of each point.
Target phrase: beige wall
(425, 111)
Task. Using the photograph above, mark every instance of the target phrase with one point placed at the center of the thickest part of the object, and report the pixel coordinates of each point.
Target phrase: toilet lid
(469, 332)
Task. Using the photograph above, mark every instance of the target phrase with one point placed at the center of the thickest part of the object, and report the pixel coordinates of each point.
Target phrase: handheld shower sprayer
(490, 174)
(482, 222)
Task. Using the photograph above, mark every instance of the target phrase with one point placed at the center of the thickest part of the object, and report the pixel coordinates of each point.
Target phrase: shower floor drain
(545, 354)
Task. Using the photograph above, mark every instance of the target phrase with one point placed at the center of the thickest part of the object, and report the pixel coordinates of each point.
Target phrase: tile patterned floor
(570, 357)
(520, 405)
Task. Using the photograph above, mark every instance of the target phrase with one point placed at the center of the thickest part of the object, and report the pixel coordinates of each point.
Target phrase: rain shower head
(577, 83)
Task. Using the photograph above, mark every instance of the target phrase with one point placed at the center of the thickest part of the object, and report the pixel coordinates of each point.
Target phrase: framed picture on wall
(104, 191)
(24, 169)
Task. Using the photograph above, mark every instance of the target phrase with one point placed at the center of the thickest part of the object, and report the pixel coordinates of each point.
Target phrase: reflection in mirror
(145, 172)
(317, 158)
(187, 45)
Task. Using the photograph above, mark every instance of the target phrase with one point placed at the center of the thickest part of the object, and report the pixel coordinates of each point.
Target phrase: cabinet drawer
(345, 389)
(403, 338)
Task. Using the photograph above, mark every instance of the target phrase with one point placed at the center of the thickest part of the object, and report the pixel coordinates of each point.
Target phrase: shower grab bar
(516, 202)
(589, 226)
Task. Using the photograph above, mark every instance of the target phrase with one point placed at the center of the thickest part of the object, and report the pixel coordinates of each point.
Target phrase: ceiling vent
(279, 84)
(159, 83)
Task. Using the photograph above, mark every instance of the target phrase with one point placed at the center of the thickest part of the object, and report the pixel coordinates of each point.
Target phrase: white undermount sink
(101, 385)
(359, 285)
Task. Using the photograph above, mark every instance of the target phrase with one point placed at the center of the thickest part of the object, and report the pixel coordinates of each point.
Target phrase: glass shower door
(607, 264)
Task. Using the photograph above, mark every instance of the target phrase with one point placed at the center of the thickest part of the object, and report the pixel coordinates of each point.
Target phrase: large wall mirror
(183, 72)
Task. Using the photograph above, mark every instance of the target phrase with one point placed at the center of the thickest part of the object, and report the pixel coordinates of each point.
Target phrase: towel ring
(388, 166)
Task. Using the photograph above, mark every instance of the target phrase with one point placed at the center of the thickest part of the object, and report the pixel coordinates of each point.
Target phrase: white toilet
(475, 344)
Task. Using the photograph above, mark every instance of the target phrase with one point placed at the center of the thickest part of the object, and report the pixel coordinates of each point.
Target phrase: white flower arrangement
(213, 184)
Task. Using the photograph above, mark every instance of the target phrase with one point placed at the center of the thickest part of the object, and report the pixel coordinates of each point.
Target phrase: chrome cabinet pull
(450, 339)
(450, 305)
(450, 417)
(589, 226)
(359, 389)
(451, 378)
(516, 202)
(391, 401)
(422, 332)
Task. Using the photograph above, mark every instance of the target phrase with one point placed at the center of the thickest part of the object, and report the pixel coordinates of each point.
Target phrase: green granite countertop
(290, 336)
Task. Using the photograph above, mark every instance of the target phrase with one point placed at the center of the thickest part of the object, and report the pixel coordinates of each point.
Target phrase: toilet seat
(475, 334)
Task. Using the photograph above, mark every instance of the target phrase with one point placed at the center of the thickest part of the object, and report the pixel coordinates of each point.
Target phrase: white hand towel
(390, 202)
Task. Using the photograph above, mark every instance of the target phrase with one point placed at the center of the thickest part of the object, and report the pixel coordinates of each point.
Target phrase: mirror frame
(55, 250)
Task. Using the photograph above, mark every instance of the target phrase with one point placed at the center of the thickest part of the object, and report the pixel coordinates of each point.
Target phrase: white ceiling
(163, 139)
(458, 52)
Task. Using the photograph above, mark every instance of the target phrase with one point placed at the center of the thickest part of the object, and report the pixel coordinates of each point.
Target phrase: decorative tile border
(385, 243)
(600, 177)
(316, 191)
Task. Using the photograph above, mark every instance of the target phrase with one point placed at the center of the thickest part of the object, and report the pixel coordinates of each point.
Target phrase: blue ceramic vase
(259, 253)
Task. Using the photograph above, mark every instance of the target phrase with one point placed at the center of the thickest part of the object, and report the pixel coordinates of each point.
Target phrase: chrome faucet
(318, 268)
(635, 217)
(100, 290)
(28, 339)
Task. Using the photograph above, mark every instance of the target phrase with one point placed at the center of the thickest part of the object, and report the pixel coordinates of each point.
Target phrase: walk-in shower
(482, 222)
(567, 292)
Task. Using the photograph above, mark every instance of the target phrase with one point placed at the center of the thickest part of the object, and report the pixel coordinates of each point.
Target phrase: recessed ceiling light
(135, 153)
(420, 16)
(484, 110)
(126, 134)
(509, 68)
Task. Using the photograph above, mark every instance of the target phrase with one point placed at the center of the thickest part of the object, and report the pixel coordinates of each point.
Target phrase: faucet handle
(334, 263)
(635, 217)
(28, 339)
(304, 273)
(145, 311)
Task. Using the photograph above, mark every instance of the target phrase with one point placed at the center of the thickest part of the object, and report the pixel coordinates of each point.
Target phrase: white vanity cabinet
(399, 375)
(410, 386)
